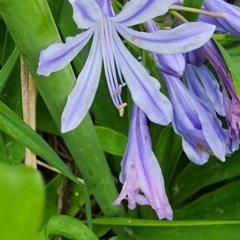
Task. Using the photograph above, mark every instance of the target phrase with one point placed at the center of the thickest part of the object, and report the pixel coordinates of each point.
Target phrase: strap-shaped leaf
(13, 125)
(68, 227)
(8, 66)
(172, 230)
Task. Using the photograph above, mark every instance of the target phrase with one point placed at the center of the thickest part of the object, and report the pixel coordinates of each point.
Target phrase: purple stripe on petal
(232, 15)
(139, 11)
(172, 64)
(86, 13)
(181, 39)
(209, 137)
(59, 55)
(144, 88)
(212, 21)
(82, 95)
(202, 82)
(141, 174)
(106, 7)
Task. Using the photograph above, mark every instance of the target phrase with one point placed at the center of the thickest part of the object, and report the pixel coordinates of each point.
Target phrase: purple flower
(141, 174)
(230, 22)
(197, 123)
(203, 84)
(230, 98)
(101, 23)
(172, 64)
(195, 57)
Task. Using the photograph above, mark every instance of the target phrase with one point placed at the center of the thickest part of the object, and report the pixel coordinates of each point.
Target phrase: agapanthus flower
(172, 64)
(196, 122)
(203, 84)
(120, 66)
(231, 19)
(230, 97)
(141, 174)
(195, 57)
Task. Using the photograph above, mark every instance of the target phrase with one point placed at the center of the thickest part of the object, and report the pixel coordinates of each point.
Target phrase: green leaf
(192, 17)
(232, 67)
(8, 66)
(52, 188)
(21, 202)
(223, 203)
(172, 230)
(112, 141)
(13, 125)
(11, 95)
(43, 116)
(168, 151)
(120, 238)
(77, 200)
(194, 177)
(68, 227)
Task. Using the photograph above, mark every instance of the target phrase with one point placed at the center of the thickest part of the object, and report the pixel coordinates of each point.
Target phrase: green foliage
(205, 199)
(192, 17)
(67, 227)
(22, 194)
(232, 67)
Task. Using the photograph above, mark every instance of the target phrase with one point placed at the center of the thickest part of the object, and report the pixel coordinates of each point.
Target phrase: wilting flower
(196, 122)
(141, 174)
(230, 98)
(231, 19)
(101, 22)
(203, 84)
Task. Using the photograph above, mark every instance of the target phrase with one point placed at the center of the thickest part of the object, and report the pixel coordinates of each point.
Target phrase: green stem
(178, 16)
(33, 32)
(199, 11)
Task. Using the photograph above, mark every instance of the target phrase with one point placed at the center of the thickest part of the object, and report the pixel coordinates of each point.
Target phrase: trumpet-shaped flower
(196, 123)
(120, 66)
(203, 84)
(230, 21)
(141, 175)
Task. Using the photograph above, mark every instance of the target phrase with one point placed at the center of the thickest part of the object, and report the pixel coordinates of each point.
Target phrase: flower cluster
(195, 97)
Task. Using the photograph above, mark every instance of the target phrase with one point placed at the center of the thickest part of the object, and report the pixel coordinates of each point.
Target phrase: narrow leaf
(13, 125)
(234, 70)
(8, 66)
(68, 227)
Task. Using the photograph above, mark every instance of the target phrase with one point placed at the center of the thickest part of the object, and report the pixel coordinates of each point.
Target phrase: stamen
(200, 148)
(121, 109)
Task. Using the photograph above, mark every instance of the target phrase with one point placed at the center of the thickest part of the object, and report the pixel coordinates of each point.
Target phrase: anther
(200, 148)
(121, 109)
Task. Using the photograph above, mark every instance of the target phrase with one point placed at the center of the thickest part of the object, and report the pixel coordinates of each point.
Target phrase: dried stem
(56, 170)
(29, 109)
